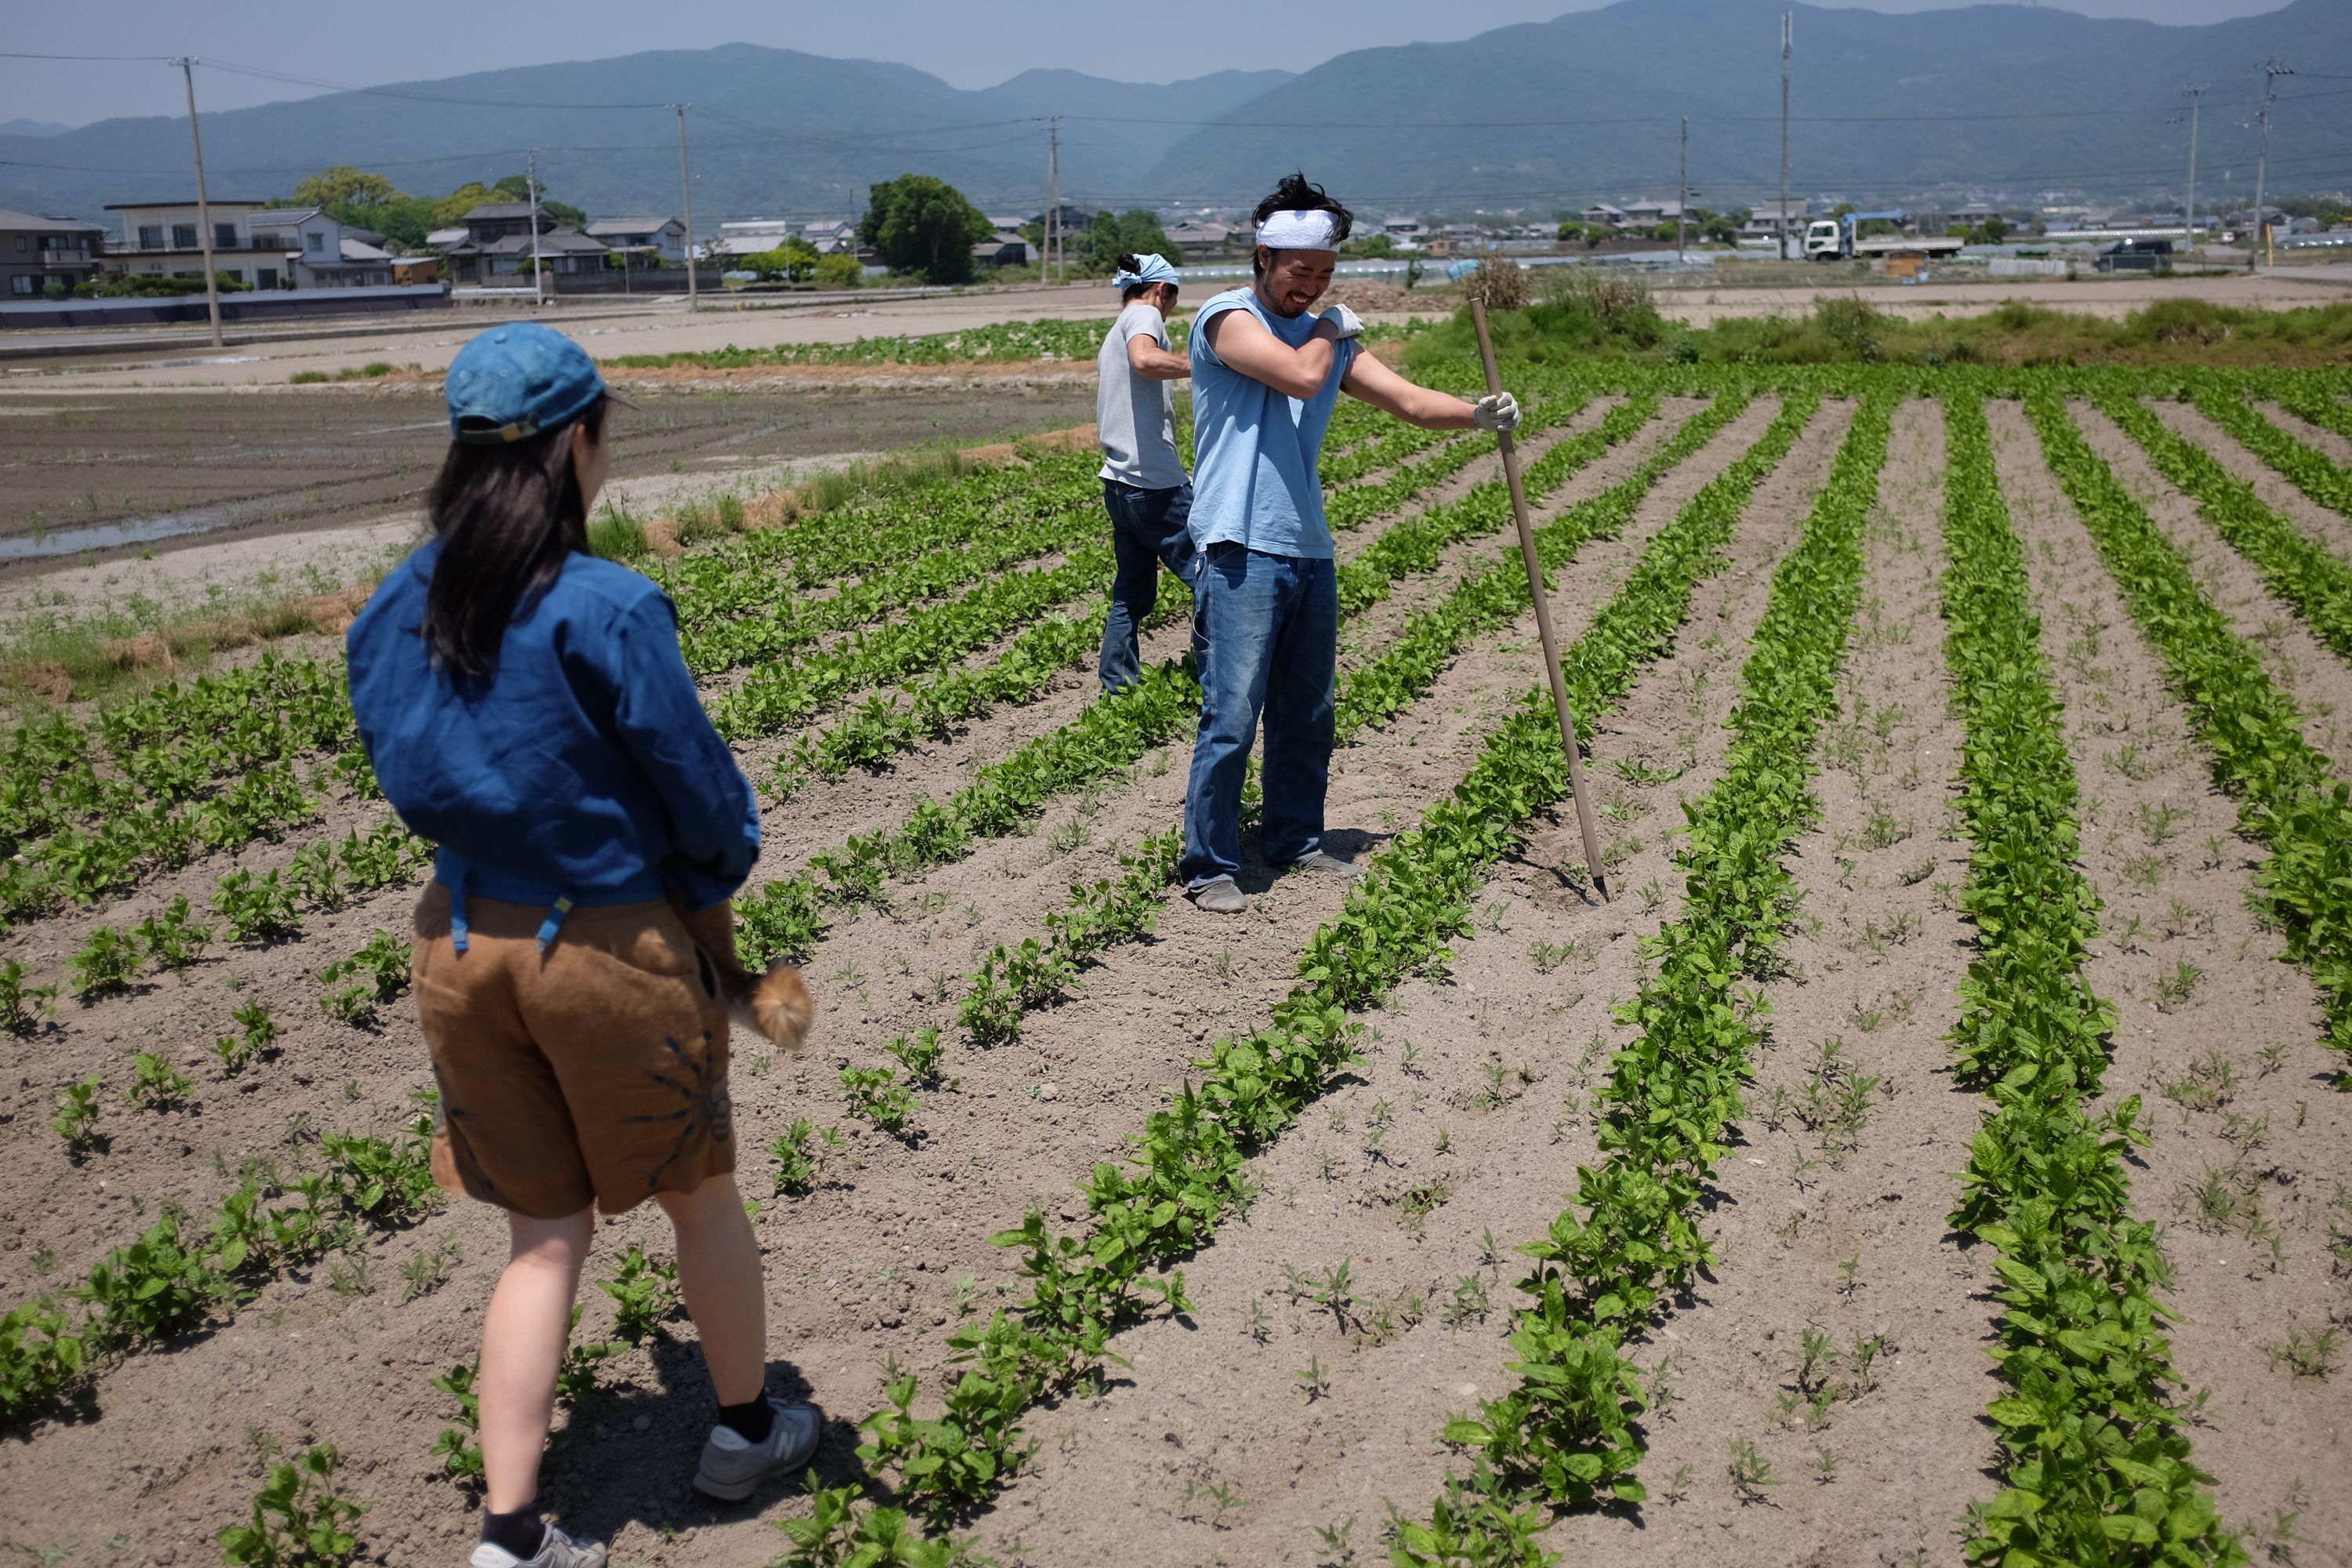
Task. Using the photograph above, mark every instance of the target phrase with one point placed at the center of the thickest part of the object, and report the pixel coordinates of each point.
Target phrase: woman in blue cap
(526, 708)
(1144, 487)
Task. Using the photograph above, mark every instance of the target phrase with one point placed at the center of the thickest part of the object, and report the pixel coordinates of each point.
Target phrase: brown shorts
(593, 1072)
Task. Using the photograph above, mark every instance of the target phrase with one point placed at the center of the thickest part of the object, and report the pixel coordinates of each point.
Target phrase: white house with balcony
(323, 252)
(163, 240)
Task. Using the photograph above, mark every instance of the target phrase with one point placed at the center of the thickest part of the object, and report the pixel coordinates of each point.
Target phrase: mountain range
(2004, 99)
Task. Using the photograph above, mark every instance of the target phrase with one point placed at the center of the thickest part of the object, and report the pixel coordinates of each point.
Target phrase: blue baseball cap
(514, 381)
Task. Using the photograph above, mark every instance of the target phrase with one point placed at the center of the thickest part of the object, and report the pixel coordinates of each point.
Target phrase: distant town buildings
(46, 255)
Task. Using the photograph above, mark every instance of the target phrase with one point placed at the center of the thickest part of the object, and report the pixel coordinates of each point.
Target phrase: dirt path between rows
(2319, 681)
(1216, 1402)
(2249, 1143)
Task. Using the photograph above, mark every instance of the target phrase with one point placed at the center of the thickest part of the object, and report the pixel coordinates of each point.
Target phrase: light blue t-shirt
(1255, 452)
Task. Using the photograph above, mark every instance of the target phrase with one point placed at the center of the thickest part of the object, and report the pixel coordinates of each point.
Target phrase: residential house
(160, 239)
(1603, 215)
(1405, 233)
(1974, 214)
(1201, 237)
(751, 236)
(1074, 219)
(1767, 220)
(499, 244)
(443, 238)
(659, 241)
(1650, 214)
(1001, 248)
(832, 236)
(42, 255)
(321, 251)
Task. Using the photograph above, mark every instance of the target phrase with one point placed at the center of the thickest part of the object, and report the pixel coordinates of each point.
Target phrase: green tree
(340, 185)
(919, 224)
(794, 261)
(1377, 247)
(1993, 230)
(839, 270)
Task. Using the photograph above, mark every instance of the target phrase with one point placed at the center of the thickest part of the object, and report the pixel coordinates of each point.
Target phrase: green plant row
(2305, 574)
(2288, 795)
(2316, 400)
(787, 917)
(1553, 401)
(2309, 472)
(881, 728)
(1016, 341)
(1565, 1436)
(2094, 1466)
(182, 1272)
(769, 612)
(1413, 900)
(1015, 980)
(778, 695)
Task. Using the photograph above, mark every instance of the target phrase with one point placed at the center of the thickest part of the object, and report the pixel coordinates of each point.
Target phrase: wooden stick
(1543, 613)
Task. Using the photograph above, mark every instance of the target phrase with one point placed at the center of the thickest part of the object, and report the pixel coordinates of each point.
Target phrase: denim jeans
(1147, 529)
(1266, 630)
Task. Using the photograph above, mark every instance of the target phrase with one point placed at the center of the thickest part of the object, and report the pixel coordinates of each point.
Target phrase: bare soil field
(1674, 1196)
(342, 453)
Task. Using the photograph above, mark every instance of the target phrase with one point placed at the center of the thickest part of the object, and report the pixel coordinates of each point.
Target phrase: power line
(15, 54)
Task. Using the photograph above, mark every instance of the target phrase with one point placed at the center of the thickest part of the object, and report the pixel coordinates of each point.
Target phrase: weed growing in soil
(155, 1085)
(876, 1095)
(256, 1038)
(77, 1118)
(106, 962)
(459, 1448)
(428, 1271)
(23, 1006)
(644, 1293)
(300, 1518)
(2304, 1352)
(799, 1167)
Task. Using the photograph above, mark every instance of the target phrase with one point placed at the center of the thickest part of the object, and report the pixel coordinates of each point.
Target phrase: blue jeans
(1148, 529)
(1266, 629)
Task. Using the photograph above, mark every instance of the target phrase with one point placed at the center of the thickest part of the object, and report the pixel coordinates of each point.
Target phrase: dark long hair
(1299, 194)
(507, 516)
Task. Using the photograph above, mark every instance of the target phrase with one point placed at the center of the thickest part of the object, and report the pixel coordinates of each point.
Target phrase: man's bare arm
(1239, 340)
(1374, 382)
(1152, 363)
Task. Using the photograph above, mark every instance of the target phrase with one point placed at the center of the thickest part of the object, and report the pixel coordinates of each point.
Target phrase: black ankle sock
(520, 1532)
(752, 1422)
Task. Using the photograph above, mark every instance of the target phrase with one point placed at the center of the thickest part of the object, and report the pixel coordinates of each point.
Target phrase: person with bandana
(1144, 487)
(1265, 374)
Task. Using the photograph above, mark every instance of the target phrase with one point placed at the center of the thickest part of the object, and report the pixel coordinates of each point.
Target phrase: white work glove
(1498, 412)
(1348, 323)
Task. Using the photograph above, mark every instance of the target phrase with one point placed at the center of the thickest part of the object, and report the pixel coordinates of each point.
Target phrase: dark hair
(1296, 194)
(1130, 262)
(507, 516)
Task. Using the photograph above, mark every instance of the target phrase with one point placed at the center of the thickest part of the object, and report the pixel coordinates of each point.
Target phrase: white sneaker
(558, 1551)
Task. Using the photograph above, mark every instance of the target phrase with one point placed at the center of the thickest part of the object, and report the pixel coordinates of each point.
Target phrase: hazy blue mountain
(31, 127)
(2002, 99)
(773, 131)
(2017, 97)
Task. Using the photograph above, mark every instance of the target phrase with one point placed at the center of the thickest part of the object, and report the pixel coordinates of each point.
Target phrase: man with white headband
(1144, 487)
(1266, 375)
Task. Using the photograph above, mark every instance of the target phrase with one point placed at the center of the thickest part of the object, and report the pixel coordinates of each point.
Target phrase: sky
(969, 45)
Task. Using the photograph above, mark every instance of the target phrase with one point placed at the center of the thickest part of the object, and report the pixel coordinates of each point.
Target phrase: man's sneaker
(733, 1465)
(1328, 864)
(1221, 896)
(557, 1551)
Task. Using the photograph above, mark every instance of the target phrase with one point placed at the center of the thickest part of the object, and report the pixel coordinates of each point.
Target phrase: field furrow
(1459, 1119)
(2209, 1045)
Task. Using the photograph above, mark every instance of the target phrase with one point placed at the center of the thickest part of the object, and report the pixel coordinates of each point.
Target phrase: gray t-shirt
(1135, 416)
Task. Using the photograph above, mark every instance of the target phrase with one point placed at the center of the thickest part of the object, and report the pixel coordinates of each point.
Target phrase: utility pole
(203, 209)
(2189, 222)
(1682, 203)
(2272, 70)
(1788, 29)
(1053, 192)
(685, 196)
(538, 281)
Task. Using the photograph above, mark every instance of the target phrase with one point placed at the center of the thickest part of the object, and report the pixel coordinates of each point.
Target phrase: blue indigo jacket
(585, 770)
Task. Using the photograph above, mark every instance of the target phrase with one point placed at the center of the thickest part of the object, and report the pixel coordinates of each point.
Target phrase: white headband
(1311, 230)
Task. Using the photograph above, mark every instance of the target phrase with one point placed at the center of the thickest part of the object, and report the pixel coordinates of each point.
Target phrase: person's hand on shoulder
(1344, 323)
(1497, 412)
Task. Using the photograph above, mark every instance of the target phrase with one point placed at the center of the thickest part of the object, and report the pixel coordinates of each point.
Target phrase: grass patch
(1584, 315)
(370, 371)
